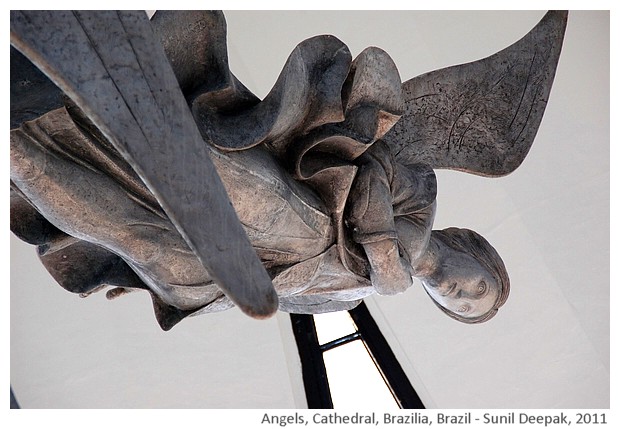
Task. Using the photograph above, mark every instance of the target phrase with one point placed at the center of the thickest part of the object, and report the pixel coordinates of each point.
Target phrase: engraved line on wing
(144, 78)
(525, 86)
(94, 45)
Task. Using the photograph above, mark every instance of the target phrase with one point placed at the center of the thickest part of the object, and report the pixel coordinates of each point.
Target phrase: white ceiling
(549, 347)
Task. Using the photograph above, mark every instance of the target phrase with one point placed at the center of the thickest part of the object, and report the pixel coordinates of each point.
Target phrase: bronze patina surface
(140, 162)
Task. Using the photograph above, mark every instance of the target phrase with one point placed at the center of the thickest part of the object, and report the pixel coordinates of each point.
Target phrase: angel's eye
(463, 308)
(482, 287)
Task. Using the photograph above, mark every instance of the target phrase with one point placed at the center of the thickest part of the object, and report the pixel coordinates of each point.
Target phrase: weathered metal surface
(125, 85)
(331, 175)
(482, 117)
(32, 93)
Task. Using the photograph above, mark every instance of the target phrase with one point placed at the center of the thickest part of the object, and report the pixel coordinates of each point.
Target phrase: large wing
(114, 68)
(194, 43)
(481, 117)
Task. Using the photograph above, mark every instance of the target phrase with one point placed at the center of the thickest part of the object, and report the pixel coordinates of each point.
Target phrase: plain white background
(547, 348)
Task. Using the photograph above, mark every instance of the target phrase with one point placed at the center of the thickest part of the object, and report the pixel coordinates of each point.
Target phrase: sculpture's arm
(383, 190)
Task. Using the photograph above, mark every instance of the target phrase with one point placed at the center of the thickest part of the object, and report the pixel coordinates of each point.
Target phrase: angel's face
(462, 285)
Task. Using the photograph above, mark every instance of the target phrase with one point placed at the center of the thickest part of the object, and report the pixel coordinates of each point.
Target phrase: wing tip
(264, 308)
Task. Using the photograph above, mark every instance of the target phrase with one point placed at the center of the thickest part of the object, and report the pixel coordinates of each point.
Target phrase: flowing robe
(295, 166)
(96, 224)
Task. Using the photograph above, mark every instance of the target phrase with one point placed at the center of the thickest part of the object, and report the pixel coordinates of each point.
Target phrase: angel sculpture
(330, 175)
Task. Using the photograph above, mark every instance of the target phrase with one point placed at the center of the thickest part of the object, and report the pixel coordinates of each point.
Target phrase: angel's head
(469, 282)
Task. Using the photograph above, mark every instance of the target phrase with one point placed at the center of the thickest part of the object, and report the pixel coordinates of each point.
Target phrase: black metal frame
(313, 366)
(314, 373)
(385, 360)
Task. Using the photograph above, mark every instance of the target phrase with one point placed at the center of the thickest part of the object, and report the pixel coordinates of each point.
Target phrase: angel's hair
(471, 242)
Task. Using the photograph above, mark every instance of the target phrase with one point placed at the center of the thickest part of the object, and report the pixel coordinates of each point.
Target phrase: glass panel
(331, 326)
(354, 380)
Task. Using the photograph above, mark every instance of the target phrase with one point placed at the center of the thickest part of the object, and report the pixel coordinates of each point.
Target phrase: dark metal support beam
(384, 359)
(340, 341)
(312, 365)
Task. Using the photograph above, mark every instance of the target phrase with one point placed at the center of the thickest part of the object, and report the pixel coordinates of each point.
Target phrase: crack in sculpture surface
(331, 174)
